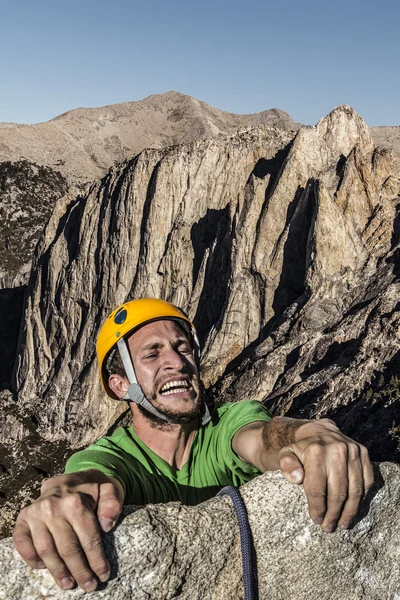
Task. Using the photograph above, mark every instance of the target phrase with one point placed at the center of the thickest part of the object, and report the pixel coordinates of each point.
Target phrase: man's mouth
(175, 387)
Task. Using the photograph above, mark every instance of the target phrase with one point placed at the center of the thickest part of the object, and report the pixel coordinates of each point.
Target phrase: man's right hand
(61, 530)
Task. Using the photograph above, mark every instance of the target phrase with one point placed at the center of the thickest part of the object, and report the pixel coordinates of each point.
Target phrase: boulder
(171, 551)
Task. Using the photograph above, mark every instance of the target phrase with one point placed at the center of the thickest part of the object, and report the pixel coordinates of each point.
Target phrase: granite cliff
(39, 163)
(193, 553)
(282, 246)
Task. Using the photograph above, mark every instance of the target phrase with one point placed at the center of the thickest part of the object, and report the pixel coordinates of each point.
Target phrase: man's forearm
(277, 434)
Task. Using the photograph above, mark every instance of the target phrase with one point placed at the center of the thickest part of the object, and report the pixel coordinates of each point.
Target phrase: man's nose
(174, 359)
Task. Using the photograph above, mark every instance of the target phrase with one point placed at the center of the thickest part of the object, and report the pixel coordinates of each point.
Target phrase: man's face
(166, 370)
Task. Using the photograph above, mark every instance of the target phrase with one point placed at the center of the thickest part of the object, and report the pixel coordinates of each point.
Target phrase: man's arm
(335, 470)
(61, 530)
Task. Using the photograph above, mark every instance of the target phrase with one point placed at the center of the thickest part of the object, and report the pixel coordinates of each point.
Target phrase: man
(175, 450)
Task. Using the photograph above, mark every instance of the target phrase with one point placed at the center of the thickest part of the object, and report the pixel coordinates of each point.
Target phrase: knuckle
(20, 539)
(326, 421)
(356, 491)
(108, 487)
(316, 450)
(93, 543)
(48, 507)
(316, 492)
(368, 486)
(354, 451)
(113, 506)
(27, 553)
(285, 463)
(59, 572)
(69, 550)
(338, 497)
(44, 548)
(341, 450)
(74, 502)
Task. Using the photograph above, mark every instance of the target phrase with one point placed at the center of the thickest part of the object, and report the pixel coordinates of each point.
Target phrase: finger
(355, 488)
(368, 469)
(337, 487)
(24, 545)
(87, 529)
(46, 548)
(110, 504)
(290, 466)
(69, 553)
(315, 486)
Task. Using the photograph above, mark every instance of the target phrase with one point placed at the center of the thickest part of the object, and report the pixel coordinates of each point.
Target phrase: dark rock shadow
(338, 353)
(396, 228)
(294, 265)
(12, 303)
(212, 232)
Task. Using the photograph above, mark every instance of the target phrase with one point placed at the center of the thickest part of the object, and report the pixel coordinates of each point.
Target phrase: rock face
(282, 251)
(83, 144)
(172, 551)
(39, 163)
(27, 196)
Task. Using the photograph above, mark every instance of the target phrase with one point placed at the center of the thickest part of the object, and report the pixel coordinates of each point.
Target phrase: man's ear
(118, 384)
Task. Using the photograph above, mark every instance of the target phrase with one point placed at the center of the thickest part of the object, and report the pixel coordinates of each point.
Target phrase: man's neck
(170, 442)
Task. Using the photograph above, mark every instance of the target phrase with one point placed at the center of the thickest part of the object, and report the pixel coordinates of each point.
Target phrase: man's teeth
(174, 387)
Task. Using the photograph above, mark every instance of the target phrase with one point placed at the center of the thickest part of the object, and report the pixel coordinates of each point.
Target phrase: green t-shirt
(147, 478)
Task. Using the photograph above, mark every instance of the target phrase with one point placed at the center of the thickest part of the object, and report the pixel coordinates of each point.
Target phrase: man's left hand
(336, 472)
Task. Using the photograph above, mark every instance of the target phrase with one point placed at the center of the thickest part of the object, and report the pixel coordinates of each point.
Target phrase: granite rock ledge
(172, 551)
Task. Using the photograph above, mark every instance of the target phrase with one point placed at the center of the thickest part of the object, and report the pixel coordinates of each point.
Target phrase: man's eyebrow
(150, 346)
(155, 345)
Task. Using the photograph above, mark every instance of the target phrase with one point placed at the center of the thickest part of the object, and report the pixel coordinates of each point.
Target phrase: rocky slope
(28, 193)
(39, 163)
(83, 144)
(193, 553)
(285, 253)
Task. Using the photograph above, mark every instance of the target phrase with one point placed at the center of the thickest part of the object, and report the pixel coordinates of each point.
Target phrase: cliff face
(41, 162)
(27, 196)
(283, 251)
(175, 551)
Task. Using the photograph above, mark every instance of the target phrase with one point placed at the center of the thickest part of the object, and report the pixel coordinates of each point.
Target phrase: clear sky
(304, 57)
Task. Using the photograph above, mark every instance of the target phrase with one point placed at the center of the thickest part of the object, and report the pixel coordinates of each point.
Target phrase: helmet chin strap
(135, 392)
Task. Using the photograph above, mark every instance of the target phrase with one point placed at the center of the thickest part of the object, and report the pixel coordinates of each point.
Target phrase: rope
(246, 543)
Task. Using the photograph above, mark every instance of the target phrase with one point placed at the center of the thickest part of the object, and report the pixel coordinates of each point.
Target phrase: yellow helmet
(128, 317)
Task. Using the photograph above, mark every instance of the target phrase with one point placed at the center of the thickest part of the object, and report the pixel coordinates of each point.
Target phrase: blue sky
(303, 57)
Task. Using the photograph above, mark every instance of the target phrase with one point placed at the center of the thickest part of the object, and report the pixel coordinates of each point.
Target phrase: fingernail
(104, 576)
(328, 528)
(318, 521)
(344, 525)
(90, 586)
(106, 524)
(67, 583)
(40, 565)
(296, 476)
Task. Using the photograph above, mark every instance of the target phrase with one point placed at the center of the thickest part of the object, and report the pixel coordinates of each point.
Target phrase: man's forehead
(164, 328)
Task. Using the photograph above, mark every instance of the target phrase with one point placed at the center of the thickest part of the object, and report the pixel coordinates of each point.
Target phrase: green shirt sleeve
(232, 417)
(105, 456)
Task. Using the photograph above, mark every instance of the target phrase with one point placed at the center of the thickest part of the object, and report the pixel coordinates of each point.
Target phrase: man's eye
(185, 349)
(152, 355)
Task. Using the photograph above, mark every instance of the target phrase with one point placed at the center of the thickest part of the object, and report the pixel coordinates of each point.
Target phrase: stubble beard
(174, 417)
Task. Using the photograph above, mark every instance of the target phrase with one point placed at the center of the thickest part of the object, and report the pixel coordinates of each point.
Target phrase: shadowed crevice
(12, 303)
(294, 264)
(212, 233)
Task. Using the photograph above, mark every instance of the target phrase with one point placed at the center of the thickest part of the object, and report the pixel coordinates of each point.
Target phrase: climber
(176, 449)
